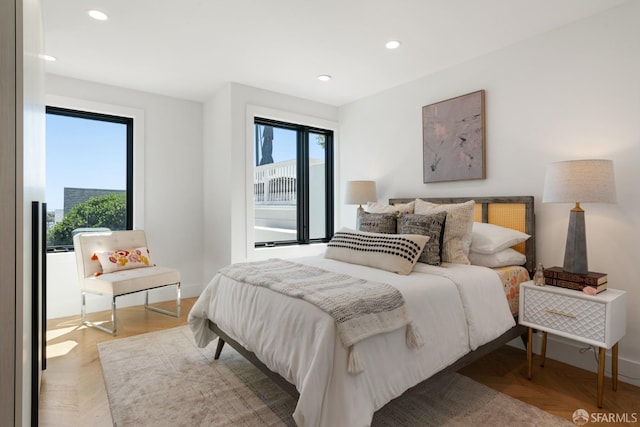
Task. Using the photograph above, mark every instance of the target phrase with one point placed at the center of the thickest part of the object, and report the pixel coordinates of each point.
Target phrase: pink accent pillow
(123, 259)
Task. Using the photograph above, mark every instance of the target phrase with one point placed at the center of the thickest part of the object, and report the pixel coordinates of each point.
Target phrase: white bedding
(457, 309)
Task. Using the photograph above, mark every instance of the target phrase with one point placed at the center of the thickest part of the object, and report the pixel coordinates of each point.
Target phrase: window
(89, 174)
(292, 183)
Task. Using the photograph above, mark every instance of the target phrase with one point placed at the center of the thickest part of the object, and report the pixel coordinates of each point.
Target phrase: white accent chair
(122, 282)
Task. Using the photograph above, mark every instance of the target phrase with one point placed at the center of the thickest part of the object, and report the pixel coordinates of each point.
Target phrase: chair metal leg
(114, 319)
(83, 308)
(161, 310)
(83, 313)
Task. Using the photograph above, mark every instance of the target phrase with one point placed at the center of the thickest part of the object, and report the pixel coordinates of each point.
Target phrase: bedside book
(556, 276)
(573, 285)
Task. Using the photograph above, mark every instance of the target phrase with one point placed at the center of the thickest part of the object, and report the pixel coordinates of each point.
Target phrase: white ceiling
(190, 48)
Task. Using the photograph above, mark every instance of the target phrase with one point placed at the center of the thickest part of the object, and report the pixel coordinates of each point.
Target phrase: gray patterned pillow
(377, 222)
(457, 233)
(427, 225)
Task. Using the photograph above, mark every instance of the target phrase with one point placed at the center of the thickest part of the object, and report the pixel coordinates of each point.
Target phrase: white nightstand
(599, 320)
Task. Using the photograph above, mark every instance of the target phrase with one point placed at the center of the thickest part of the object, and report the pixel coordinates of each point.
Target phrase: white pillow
(490, 238)
(391, 252)
(457, 228)
(374, 207)
(499, 259)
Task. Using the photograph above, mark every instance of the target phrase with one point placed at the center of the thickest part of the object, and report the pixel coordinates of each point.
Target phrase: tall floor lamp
(579, 181)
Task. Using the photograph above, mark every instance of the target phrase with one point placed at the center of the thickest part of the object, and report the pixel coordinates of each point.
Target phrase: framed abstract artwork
(453, 139)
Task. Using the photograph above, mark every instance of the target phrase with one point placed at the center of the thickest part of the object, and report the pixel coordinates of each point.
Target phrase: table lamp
(578, 181)
(359, 192)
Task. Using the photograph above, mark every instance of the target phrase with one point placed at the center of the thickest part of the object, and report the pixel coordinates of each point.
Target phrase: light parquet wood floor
(557, 388)
(73, 391)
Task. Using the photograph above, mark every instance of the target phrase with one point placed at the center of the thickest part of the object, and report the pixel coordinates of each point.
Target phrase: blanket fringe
(356, 365)
(413, 336)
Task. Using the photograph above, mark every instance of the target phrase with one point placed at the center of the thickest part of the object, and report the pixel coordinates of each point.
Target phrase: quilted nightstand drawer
(574, 316)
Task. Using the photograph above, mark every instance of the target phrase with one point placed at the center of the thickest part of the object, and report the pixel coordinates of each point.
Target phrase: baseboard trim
(580, 355)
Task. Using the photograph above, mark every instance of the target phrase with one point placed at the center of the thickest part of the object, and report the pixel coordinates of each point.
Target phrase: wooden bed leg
(543, 352)
(219, 348)
(602, 354)
(530, 353)
(614, 367)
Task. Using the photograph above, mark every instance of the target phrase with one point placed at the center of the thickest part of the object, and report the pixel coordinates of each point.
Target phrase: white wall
(172, 199)
(228, 159)
(217, 174)
(568, 94)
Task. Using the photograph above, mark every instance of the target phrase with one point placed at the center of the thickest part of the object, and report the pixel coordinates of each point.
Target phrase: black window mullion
(329, 199)
(329, 186)
(303, 185)
(129, 196)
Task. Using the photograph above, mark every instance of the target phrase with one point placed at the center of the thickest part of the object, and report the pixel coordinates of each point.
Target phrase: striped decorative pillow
(397, 253)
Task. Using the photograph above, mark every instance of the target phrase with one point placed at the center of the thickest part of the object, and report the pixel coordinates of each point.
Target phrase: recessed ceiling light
(392, 44)
(97, 15)
(49, 58)
(324, 77)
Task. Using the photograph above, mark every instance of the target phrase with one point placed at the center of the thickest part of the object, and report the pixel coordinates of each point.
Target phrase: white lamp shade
(580, 181)
(359, 192)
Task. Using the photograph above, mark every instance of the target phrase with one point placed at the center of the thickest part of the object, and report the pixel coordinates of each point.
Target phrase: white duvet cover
(456, 309)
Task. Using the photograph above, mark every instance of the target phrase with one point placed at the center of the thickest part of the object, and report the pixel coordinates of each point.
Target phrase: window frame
(126, 120)
(302, 181)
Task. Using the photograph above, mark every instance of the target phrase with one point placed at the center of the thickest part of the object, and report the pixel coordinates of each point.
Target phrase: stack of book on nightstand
(556, 276)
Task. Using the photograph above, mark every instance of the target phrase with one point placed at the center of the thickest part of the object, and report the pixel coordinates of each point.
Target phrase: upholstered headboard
(514, 212)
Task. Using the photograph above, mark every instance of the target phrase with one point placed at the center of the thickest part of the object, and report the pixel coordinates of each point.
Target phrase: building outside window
(89, 174)
(293, 183)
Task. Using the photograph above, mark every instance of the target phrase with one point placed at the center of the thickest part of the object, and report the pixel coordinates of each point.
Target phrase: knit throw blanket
(360, 308)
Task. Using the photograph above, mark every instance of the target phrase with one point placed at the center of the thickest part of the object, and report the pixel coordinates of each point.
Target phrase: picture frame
(453, 139)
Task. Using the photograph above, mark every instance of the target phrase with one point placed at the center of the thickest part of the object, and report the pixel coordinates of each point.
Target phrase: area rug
(163, 379)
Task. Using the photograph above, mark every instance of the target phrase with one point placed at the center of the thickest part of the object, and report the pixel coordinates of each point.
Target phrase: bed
(464, 316)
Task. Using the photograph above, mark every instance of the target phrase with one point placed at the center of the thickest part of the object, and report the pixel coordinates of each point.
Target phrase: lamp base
(359, 215)
(575, 252)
